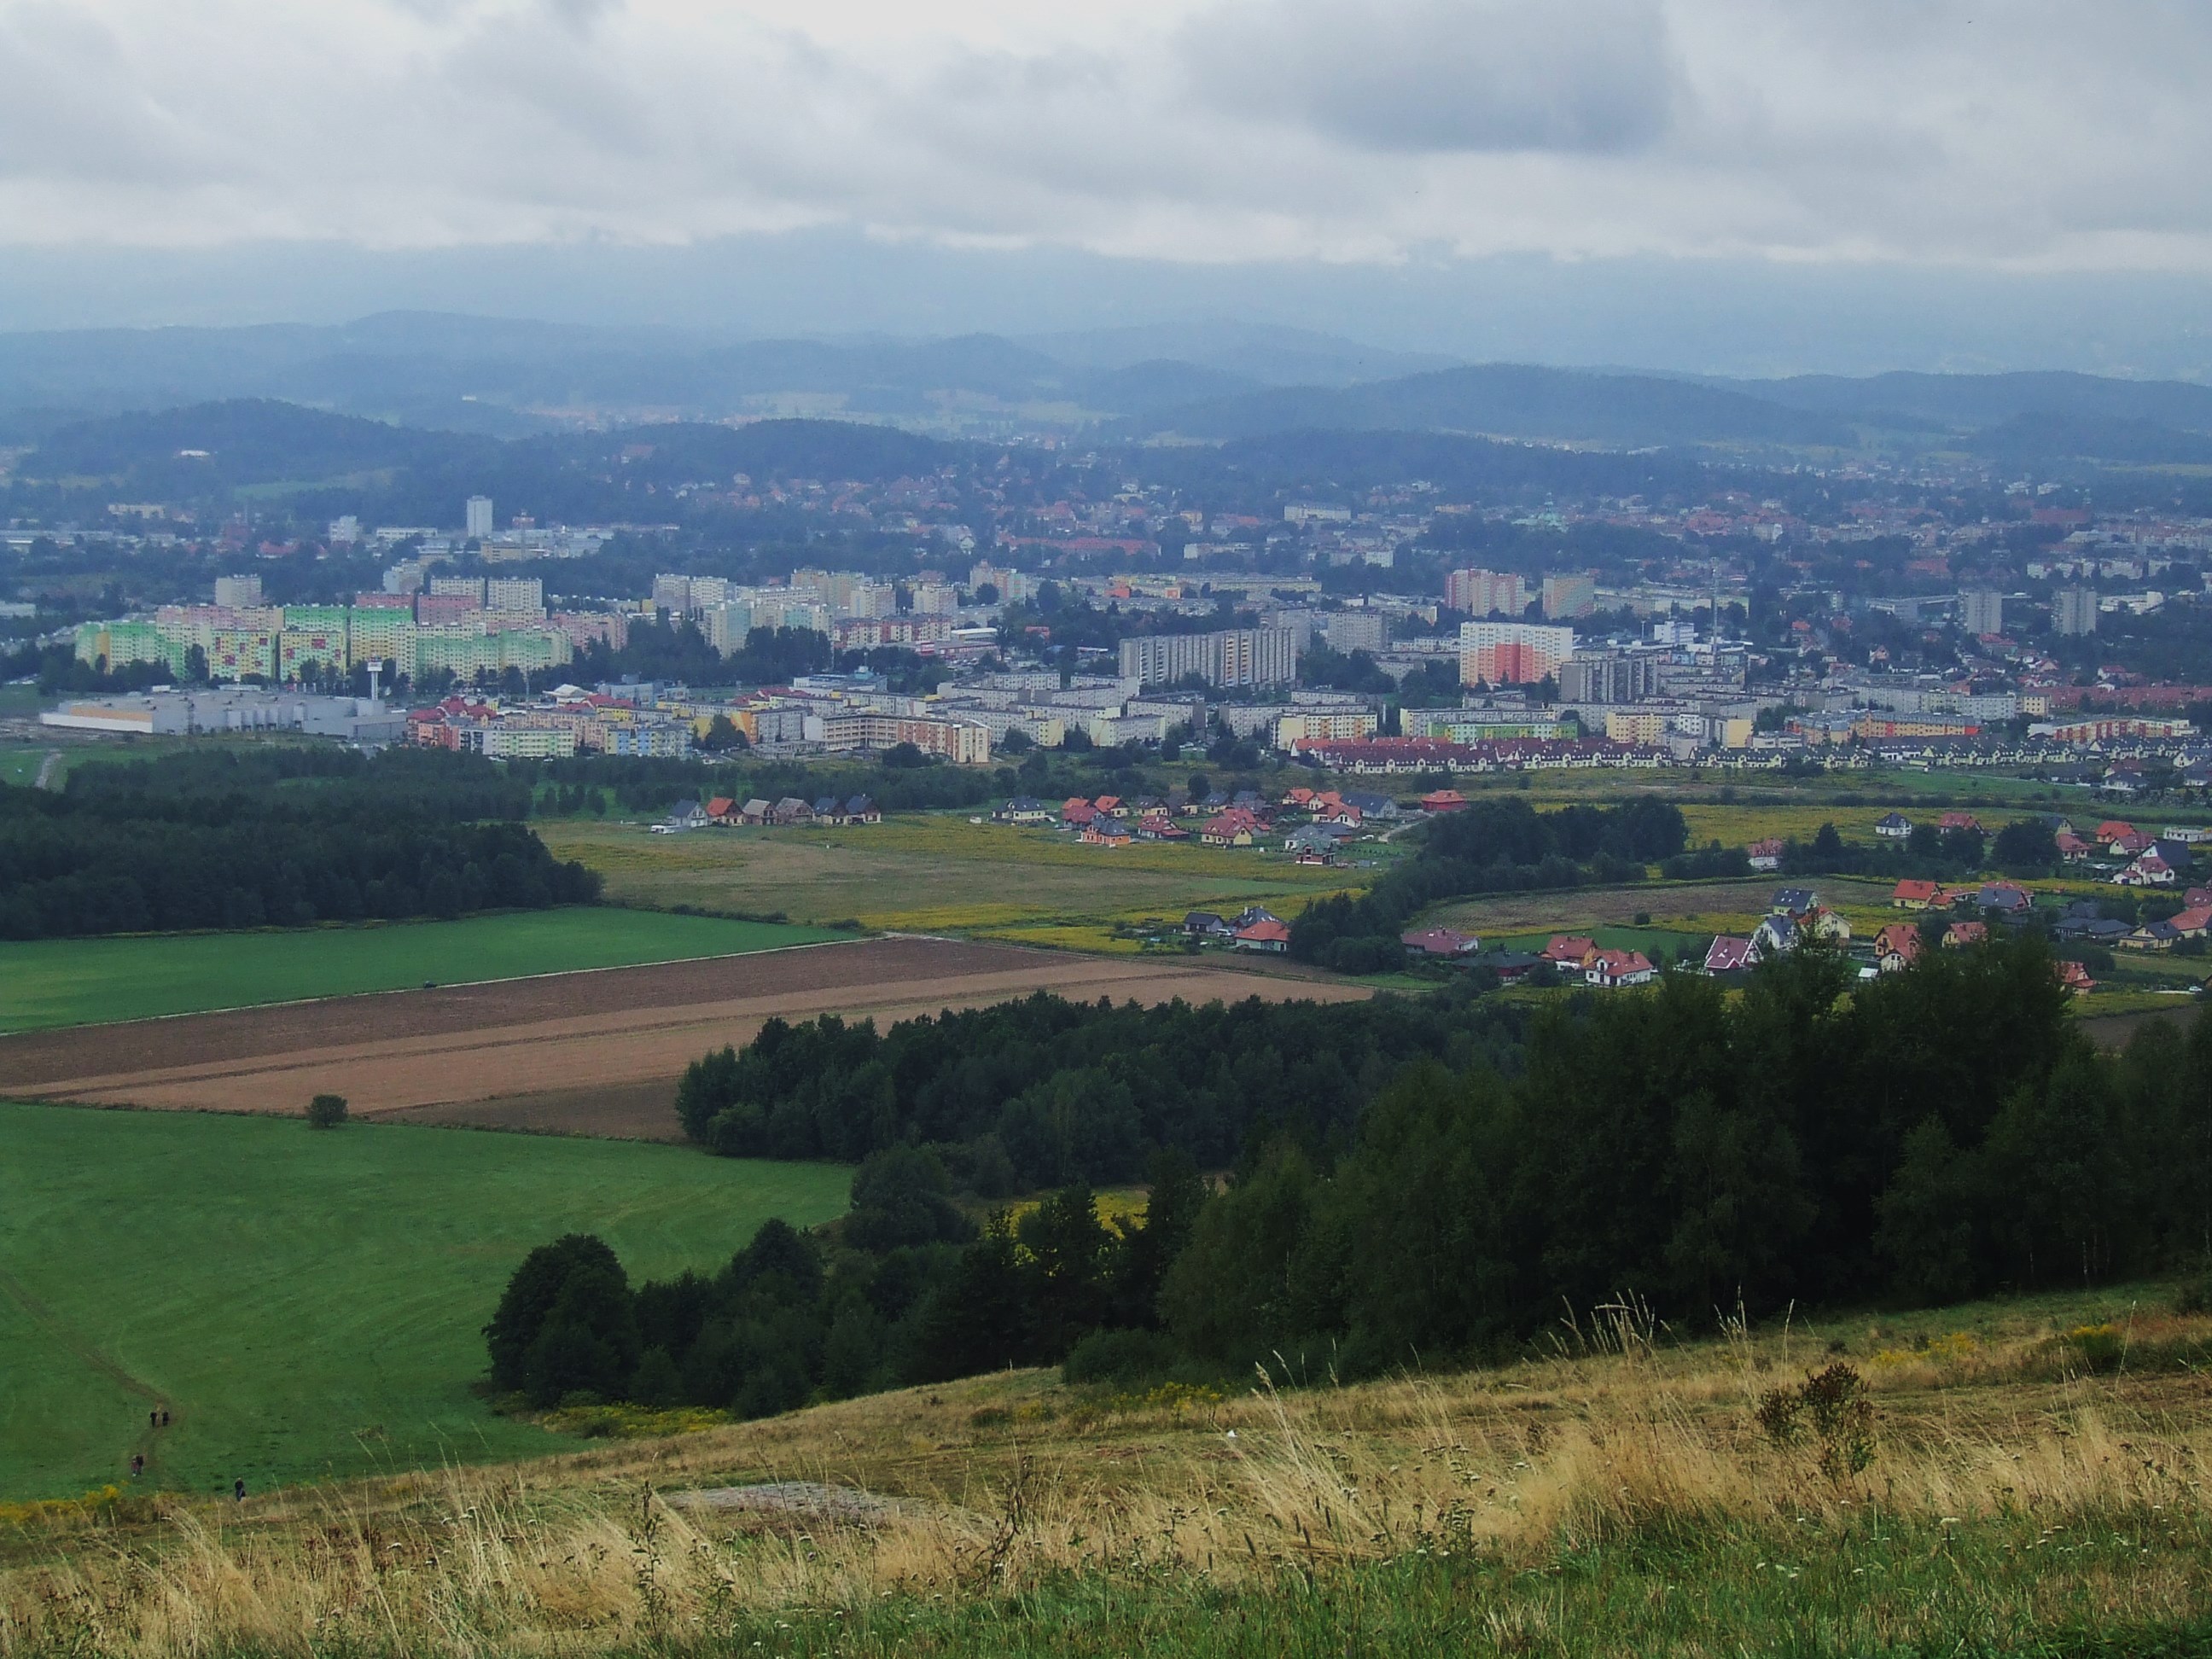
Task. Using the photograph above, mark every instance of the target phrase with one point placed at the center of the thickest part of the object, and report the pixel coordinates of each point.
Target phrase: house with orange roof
(1960, 934)
(1568, 949)
(1914, 895)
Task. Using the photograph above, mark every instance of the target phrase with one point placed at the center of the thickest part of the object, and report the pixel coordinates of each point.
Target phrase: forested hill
(1413, 1184)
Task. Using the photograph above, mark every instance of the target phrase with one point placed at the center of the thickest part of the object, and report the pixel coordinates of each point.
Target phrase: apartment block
(1512, 653)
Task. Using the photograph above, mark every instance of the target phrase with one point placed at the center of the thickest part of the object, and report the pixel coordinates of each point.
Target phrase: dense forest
(285, 835)
(1936, 1135)
(1494, 846)
(1041, 1091)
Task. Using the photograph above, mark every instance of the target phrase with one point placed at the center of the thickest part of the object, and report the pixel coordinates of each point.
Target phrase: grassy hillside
(2027, 1479)
(76, 982)
(304, 1303)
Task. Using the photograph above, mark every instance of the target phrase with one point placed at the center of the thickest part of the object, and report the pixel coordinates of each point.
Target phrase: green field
(307, 1302)
(76, 982)
(937, 872)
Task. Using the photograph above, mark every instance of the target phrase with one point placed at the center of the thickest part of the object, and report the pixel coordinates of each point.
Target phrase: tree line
(1041, 1091)
(1936, 1135)
(904, 1289)
(1499, 845)
(281, 836)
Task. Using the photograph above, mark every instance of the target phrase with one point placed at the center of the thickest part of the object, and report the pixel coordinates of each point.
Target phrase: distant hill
(507, 378)
(1967, 402)
(2036, 439)
(1511, 400)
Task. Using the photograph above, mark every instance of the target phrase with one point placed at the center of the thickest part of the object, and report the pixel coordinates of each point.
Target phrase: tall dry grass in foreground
(1010, 1482)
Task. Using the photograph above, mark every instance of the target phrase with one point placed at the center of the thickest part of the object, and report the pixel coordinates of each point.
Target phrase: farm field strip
(396, 1070)
(76, 982)
(937, 873)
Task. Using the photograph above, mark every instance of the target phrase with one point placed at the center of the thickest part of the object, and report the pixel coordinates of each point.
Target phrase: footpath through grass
(77, 981)
(306, 1303)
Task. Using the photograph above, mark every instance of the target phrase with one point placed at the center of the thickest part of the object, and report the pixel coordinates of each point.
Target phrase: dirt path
(147, 1442)
(46, 769)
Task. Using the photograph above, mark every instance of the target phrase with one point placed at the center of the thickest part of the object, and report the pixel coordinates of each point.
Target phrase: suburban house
(1896, 947)
(1024, 809)
(721, 810)
(1960, 934)
(1794, 902)
(2004, 897)
(1234, 828)
(1765, 855)
(1776, 935)
(1439, 942)
(1568, 950)
(1104, 831)
(1443, 800)
(2112, 829)
(791, 809)
(1271, 936)
(1372, 806)
(1728, 955)
(2128, 846)
(862, 809)
(1204, 924)
(1959, 821)
(1614, 967)
(1111, 805)
(2152, 936)
(1311, 838)
(755, 810)
(2075, 977)
(2147, 871)
(1894, 826)
(1077, 814)
(684, 815)
(2071, 847)
(1914, 895)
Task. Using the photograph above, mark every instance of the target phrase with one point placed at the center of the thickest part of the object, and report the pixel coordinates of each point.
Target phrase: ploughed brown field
(593, 1052)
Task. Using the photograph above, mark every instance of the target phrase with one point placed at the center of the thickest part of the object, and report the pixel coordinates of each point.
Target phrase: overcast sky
(2030, 137)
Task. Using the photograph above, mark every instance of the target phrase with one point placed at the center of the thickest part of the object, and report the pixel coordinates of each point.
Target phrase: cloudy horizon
(1882, 157)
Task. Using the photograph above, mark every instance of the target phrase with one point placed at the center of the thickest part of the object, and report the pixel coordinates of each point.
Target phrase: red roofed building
(1616, 967)
(1896, 947)
(1914, 895)
(1568, 950)
(1272, 937)
(1439, 942)
(1960, 934)
(1443, 800)
(1957, 821)
(1728, 954)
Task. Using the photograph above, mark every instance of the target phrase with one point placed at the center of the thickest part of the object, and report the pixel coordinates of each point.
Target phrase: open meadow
(304, 1303)
(75, 982)
(2025, 1477)
(940, 873)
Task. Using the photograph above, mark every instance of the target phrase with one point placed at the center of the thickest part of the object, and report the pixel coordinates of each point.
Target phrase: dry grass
(1003, 1483)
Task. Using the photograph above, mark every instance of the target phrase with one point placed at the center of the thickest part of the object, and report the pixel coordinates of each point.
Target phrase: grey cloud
(1578, 76)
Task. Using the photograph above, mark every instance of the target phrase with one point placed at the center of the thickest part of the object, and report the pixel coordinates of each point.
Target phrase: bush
(326, 1111)
(1121, 1357)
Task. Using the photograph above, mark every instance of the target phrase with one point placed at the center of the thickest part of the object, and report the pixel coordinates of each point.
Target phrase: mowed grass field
(940, 873)
(46, 982)
(307, 1303)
